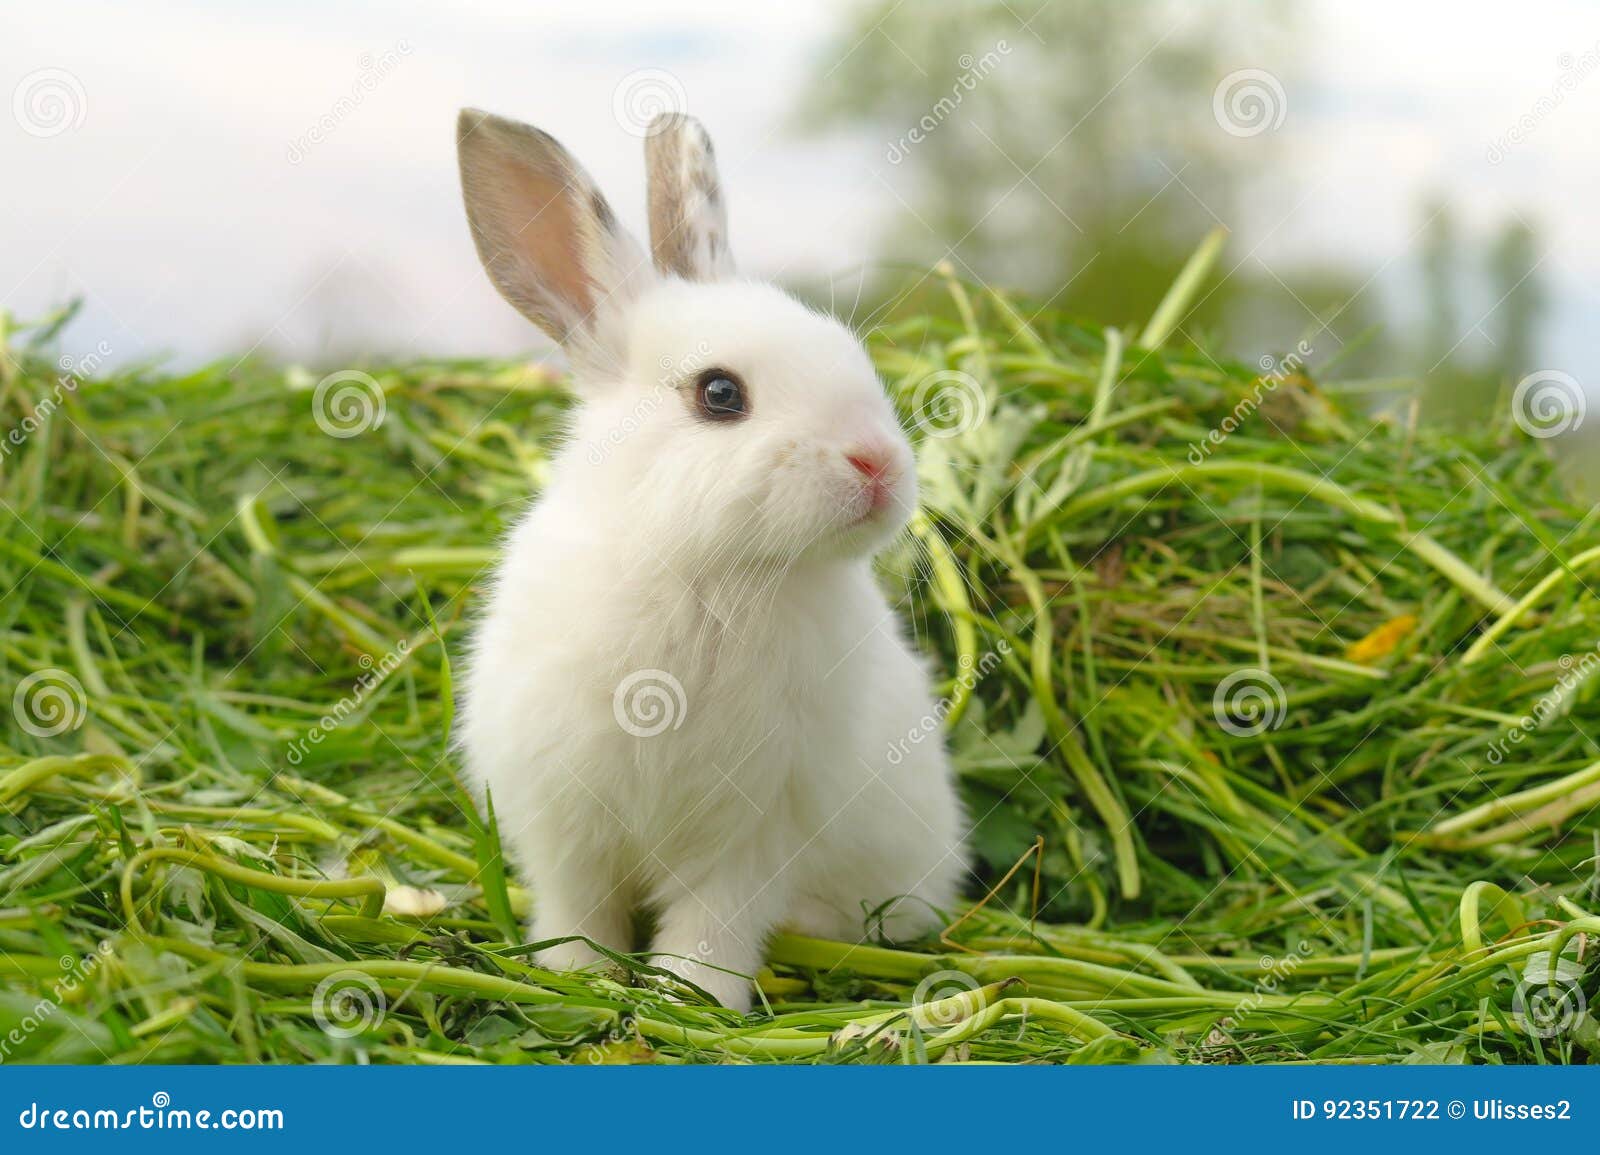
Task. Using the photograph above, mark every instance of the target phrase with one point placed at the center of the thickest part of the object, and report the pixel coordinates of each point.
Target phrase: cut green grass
(1304, 714)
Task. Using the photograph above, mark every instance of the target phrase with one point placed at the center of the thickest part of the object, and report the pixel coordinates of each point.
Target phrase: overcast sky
(185, 195)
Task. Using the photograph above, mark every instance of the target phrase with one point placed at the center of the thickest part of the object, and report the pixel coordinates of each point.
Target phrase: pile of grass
(1356, 864)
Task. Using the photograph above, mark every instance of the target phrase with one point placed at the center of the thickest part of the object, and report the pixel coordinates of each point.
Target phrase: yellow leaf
(1380, 643)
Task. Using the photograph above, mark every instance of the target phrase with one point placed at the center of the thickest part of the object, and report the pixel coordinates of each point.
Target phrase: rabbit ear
(546, 237)
(688, 223)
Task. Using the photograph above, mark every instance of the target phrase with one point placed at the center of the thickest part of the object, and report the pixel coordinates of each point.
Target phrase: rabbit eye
(720, 396)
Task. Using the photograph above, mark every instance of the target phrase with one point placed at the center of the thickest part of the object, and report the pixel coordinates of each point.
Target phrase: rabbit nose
(870, 463)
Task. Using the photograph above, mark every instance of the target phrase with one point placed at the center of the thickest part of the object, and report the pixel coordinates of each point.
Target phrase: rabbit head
(720, 416)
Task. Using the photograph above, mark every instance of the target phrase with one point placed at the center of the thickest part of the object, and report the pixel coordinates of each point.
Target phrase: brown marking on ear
(602, 211)
(688, 224)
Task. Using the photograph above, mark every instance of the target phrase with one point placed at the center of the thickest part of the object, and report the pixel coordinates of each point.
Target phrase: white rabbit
(688, 695)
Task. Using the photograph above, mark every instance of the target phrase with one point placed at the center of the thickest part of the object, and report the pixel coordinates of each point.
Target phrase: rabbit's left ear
(688, 223)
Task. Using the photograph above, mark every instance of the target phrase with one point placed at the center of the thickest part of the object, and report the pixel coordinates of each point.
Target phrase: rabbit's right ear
(546, 236)
(688, 222)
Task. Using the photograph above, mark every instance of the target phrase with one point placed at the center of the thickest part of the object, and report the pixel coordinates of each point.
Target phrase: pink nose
(870, 463)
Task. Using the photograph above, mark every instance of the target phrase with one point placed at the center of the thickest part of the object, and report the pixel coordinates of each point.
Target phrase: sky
(214, 179)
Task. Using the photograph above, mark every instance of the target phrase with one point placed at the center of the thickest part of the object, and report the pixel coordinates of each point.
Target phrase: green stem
(1568, 570)
(1094, 785)
(370, 891)
(1319, 488)
(1173, 306)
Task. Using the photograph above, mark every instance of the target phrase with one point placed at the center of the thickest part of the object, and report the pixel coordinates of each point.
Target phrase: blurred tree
(1069, 148)
(1081, 150)
(1441, 272)
(1513, 262)
(1466, 378)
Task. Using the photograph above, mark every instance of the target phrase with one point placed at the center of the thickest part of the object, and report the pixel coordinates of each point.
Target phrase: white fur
(731, 560)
